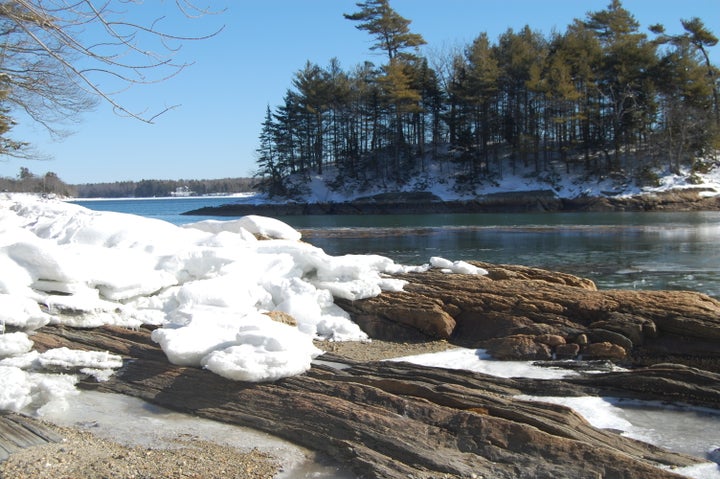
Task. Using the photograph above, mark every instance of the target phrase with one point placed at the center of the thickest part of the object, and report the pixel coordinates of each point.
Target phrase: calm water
(616, 250)
(168, 209)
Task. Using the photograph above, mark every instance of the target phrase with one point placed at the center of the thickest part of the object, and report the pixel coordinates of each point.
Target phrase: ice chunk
(269, 227)
(22, 391)
(65, 358)
(266, 350)
(13, 344)
(459, 267)
(15, 389)
(21, 312)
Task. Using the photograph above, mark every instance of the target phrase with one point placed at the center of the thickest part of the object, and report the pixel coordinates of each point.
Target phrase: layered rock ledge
(689, 199)
(518, 312)
(398, 420)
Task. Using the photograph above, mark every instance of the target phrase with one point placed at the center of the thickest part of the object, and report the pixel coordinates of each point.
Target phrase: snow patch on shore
(208, 286)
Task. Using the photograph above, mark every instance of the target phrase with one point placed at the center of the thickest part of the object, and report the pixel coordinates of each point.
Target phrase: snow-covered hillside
(437, 179)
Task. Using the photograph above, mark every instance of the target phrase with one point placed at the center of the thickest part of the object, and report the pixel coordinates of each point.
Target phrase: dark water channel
(616, 250)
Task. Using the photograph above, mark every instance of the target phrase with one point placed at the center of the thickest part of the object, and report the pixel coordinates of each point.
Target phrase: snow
(14, 344)
(208, 286)
(479, 361)
(38, 392)
(462, 267)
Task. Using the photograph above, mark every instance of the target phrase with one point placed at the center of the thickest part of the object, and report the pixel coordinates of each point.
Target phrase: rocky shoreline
(524, 313)
(686, 199)
(79, 453)
(397, 420)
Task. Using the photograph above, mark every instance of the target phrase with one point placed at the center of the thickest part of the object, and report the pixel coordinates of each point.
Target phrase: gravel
(84, 455)
(377, 350)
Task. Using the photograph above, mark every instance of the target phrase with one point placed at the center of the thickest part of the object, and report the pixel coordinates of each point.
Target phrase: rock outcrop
(398, 420)
(518, 312)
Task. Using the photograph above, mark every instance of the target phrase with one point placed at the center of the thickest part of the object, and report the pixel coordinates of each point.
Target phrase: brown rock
(518, 347)
(515, 300)
(603, 335)
(18, 432)
(631, 326)
(604, 350)
(481, 325)
(399, 316)
(281, 317)
(399, 420)
(567, 351)
(551, 340)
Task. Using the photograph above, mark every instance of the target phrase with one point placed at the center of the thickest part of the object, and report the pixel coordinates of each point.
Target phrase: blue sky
(250, 65)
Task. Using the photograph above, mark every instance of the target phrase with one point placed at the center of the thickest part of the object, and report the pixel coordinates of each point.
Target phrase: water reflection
(618, 250)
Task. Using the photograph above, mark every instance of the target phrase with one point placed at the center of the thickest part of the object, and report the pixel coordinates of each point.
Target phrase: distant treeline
(28, 182)
(153, 188)
(600, 98)
(50, 183)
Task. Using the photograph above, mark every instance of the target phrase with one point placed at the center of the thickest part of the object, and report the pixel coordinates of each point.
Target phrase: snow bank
(206, 285)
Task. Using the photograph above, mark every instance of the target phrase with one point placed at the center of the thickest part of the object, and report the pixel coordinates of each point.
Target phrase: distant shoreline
(151, 198)
(541, 201)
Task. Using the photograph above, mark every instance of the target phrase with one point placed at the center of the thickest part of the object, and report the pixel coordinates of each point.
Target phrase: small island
(686, 199)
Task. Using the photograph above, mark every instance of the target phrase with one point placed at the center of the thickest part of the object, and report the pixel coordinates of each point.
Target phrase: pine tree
(270, 170)
(480, 94)
(581, 50)
(686, 127)
(518, 54)
(627, 58)
(391, 31)
(701, 38)
(393, 36)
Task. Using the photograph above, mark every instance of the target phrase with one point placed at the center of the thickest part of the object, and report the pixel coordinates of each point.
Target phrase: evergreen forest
(602, 98)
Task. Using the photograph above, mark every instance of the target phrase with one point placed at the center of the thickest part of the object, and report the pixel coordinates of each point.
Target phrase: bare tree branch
(60, 58)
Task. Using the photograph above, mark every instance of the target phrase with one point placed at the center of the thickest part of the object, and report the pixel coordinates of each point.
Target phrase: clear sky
(251, 63)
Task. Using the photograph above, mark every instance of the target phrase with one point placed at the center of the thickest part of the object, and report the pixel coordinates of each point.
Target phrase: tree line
(600, 98)
(50, 183)
(162, 188)
(29, 182)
